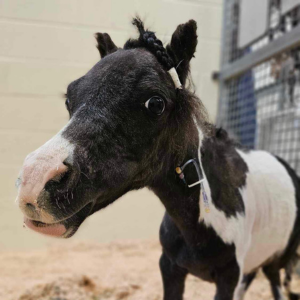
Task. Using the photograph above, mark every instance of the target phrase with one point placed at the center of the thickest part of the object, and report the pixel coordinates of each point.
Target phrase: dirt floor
(90, 271)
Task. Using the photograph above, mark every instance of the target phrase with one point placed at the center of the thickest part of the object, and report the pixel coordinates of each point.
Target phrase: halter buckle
(180, 173)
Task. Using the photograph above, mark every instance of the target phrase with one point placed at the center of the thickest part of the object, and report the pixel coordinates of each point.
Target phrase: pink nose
(44, 164)
(39, 168)
(36, 175)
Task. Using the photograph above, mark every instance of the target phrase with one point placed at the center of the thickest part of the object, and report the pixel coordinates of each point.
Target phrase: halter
(201, 177)
(198, 166)
(180, 172)
(175, 78)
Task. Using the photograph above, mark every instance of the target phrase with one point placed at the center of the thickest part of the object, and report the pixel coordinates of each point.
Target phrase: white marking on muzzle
(42, 165)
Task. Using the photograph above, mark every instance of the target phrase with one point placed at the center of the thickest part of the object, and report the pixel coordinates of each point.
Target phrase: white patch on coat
(240, 291)
(270, 212)
(230, 230)
(280, 293)
(270, 202)
(239, 287)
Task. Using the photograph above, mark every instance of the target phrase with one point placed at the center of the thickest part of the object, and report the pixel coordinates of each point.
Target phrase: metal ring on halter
(179, 171)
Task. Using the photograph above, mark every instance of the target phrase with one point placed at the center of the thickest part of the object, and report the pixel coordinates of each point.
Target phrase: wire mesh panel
(260, 82)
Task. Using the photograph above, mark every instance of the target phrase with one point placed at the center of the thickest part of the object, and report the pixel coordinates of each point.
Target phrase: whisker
(68, 198)
(85, 175)
(57, 203)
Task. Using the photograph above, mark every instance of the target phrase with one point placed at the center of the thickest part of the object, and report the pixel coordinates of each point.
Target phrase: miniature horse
(133, 124)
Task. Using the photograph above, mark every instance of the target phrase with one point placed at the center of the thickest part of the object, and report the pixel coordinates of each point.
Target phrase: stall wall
(45, 44)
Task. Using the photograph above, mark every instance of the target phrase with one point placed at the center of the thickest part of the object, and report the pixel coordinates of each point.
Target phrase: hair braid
(148, 40)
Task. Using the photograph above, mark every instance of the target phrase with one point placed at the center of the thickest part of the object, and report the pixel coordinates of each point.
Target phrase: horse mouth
(63, 229)
(56, 229)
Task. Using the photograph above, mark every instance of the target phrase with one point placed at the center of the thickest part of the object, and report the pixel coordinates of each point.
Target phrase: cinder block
(37, 78)
(8, 176)
(207, 56)
(113, 14)
(62, 11)
(15, 145)
(52, 43)
(208, 92)
(164, 16)
(36, 113)
(148, 213)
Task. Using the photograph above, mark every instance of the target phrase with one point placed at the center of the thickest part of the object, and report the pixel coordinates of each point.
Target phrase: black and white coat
(243, 228)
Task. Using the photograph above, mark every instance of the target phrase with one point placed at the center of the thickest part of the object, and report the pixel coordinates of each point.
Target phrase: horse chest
(201, 257)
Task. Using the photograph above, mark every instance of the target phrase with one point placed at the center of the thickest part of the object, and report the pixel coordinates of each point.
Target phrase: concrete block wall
(45, 44)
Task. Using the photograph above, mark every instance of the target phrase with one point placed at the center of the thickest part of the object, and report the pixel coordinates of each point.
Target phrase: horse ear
(105, 44)
(182, 48)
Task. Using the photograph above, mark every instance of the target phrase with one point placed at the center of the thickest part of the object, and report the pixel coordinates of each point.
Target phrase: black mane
(149, 41)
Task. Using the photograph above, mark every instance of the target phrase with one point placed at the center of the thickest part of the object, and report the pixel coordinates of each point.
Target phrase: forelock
(149, 41)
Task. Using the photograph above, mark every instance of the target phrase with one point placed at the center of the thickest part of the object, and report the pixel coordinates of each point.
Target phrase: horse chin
(62, 229)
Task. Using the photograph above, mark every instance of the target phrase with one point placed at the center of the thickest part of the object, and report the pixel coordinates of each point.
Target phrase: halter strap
(201, 175)
(180, 172)
(175, 78)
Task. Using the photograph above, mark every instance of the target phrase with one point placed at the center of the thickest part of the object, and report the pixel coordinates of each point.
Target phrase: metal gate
(259, 80)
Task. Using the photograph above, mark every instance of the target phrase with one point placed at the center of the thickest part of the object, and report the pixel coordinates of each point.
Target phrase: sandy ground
(91, 271)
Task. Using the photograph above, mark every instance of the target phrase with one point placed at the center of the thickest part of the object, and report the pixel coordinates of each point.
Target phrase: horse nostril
(68, 162)
(30, 206)
(58, 177)
(61, 181)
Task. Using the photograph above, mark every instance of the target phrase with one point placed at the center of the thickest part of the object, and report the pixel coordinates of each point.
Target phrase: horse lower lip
(56, 229)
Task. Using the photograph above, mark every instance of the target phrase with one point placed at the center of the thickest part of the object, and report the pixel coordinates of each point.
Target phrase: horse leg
(173, 278)
(272, 273)
(247, 280)
(289, 270)
(228, 281)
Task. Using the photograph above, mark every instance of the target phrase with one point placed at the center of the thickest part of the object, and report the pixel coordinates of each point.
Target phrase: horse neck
(180, 201)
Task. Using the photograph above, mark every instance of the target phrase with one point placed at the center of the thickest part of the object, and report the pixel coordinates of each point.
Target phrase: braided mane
(191, 107)
(148, 40)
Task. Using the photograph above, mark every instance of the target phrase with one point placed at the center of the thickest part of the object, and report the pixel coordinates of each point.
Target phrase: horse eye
(155, 105)
(67, 103)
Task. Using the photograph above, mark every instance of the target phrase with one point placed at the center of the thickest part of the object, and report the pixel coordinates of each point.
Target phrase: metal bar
(221, 89)
(283, 43)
